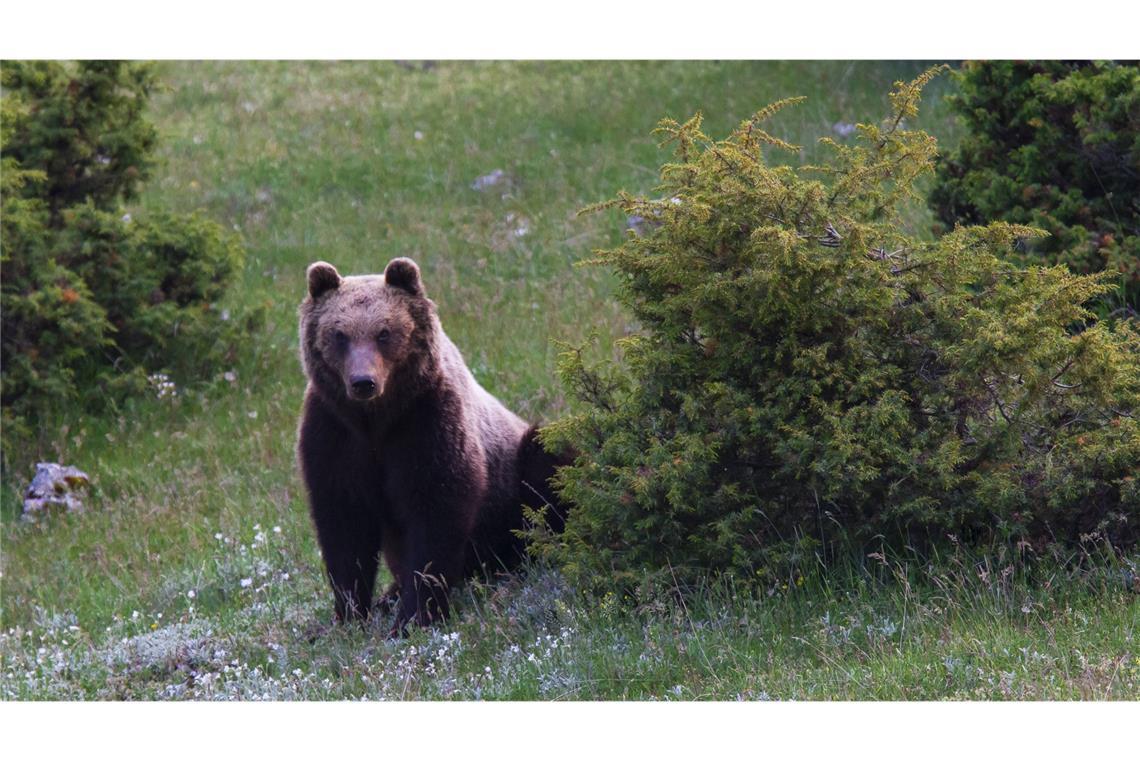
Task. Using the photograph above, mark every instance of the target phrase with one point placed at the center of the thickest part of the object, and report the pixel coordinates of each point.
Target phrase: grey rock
(54, 486)
(488, 180)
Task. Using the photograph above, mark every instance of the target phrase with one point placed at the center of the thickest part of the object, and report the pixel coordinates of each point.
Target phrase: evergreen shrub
(809, 377)
(1055, 145)
(94, 301)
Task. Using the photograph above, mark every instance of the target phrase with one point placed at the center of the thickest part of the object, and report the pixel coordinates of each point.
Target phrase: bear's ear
(404, 274)
(322, 278)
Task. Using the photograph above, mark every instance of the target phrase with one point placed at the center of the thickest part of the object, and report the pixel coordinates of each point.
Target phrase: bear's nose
(363, 386)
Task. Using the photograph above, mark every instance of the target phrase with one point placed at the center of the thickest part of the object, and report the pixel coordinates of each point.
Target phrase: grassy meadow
(194, 572)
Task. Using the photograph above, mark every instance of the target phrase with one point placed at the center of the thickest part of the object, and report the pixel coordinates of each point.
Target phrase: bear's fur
(402, 452)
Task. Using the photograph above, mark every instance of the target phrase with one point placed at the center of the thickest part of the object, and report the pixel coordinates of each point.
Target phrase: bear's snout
(364, 372)
(363, 387)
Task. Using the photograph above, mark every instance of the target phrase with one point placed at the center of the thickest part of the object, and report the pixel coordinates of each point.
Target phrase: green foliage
(1055, 145)
(85, 129)
(92, 300)
(809, 373)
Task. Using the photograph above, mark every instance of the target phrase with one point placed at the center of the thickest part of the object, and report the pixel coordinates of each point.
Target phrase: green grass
(322, 161)
(891, 631)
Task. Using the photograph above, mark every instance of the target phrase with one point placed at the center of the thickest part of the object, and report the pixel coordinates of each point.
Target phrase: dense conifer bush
(93, 300)
(1055, 145)
(810, 377)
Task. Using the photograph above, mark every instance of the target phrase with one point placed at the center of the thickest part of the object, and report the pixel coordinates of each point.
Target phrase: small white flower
(127, 218)
(276, 528)
(246, 582)
(218, 536)
(418, 135)
(252, 415)
(191, 594)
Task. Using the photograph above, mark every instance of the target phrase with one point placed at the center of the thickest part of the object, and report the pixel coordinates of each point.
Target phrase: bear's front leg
(350, 545)
(348, 531)
(432, 566)
(351, 570)
(435, 480)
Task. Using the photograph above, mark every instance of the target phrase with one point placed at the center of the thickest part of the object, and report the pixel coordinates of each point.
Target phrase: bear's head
(369, 337)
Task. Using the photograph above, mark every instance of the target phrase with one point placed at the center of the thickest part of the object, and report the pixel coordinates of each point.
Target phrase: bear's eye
(340, 339)
(383, 335)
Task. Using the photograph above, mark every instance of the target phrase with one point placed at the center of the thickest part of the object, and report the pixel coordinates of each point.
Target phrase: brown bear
(402, 452)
